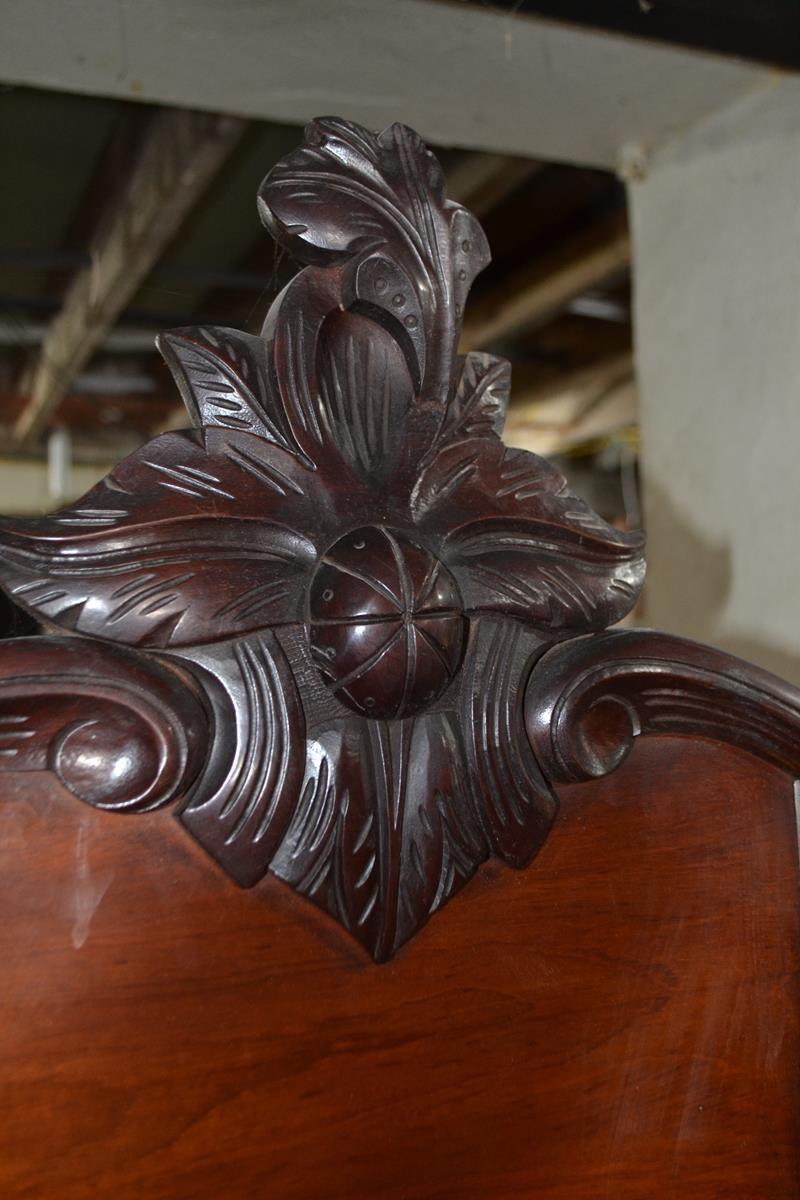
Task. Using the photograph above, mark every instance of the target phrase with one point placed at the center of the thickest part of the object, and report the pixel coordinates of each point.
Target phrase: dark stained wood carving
(119, 730)
(311, 619)
(586, 702)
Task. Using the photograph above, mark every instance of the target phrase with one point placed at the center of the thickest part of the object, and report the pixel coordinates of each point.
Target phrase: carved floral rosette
(314, 614)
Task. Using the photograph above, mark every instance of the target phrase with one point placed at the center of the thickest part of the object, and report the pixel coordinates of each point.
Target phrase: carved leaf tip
(369, 326)
(223, 378)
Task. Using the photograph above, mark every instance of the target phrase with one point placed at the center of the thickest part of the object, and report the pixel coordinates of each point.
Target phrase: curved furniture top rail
(588, 700)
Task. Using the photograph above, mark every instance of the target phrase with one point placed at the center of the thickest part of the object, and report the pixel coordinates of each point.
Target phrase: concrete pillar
(716, 228)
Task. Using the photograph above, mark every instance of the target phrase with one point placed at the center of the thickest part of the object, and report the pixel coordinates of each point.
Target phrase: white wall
(24, 485)
(716, 227)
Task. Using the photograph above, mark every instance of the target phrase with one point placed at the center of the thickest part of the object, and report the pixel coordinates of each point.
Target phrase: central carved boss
(386, 623)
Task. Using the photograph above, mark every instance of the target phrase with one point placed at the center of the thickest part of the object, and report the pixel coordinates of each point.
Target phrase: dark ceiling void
(766, 31)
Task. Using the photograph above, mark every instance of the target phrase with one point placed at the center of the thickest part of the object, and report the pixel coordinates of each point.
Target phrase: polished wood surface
(620, 1020)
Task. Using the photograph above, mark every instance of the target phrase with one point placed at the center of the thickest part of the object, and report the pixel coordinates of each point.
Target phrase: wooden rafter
(580, 387)
(180, 156)
(482, 181)
(536, 293)
(588, 403)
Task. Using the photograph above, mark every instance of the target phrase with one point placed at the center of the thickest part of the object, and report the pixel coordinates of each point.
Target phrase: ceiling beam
(575, 390)
(536, 293)
(120, 340)
(58, 261)
(586, 404)
(481, 182)
(469, 75)
(180, 156)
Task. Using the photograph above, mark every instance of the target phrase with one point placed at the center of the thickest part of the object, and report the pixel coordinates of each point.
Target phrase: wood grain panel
(620, 1020)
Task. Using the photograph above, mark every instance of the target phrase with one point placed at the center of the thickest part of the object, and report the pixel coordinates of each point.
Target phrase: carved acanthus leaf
(365, 393)
(480, 402)
(223, 379)
(386, 830)
(517, 805)
(185, 541)
(520, 542)
(410, 254)
(245, 797)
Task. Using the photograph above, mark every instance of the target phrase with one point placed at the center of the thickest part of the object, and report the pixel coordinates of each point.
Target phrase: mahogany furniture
(356, 646)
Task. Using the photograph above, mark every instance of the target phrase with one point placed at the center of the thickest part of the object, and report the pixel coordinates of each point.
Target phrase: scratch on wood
(88, 892)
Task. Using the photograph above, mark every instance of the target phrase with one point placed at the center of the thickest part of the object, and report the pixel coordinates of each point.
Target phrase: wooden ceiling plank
(180, 156)
(465, 75)
(584, 405)
(582, 385)
(535, 294)
(482, 182)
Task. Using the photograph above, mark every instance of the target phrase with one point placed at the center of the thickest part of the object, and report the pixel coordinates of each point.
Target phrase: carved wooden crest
(311, 618)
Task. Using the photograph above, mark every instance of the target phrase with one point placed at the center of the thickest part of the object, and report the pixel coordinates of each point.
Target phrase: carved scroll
(120, 731)
(587, 701)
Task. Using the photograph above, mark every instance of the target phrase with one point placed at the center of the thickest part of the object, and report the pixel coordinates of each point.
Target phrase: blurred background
(635, 166)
